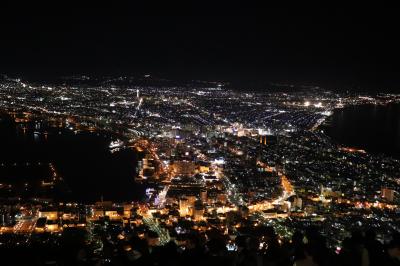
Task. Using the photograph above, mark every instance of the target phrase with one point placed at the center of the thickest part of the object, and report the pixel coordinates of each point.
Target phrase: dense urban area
(231, 176)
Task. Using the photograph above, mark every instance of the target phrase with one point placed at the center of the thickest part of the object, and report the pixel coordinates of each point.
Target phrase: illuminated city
(143, 170)
(206, 163)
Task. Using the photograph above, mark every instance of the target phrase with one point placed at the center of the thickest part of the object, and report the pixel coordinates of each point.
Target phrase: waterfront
(214, 160)
(374, 128)
(82, 159)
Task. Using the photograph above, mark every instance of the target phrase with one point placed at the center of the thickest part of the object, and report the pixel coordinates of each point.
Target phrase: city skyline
(200, 135)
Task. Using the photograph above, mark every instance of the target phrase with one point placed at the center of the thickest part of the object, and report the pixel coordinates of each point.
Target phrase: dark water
(375, 128)
(84, 161)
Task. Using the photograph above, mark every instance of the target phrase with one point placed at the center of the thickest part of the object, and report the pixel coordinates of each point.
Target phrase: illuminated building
(183, 207)
(146, 168)
(186, 205)
(183, 167)
(221, 197)
(128, 210)
(203, 195)
(241, 133)
(204, 168)
(388, 194)
(298, 203)
(191, 200)
(50, 215)
(113, 215)
(52, 226)
(198, 210)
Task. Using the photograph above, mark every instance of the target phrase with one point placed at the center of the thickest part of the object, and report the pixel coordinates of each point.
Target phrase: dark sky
(346, 46)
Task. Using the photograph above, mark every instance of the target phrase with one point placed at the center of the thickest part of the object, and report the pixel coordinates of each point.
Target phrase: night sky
(347, 46)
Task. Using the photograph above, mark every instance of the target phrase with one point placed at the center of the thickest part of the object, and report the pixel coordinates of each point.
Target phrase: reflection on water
(83, 159)
(375, 128)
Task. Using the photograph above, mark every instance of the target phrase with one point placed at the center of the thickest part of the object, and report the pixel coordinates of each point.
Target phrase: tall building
(183, 207)
(203, 195)
(198, 210)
